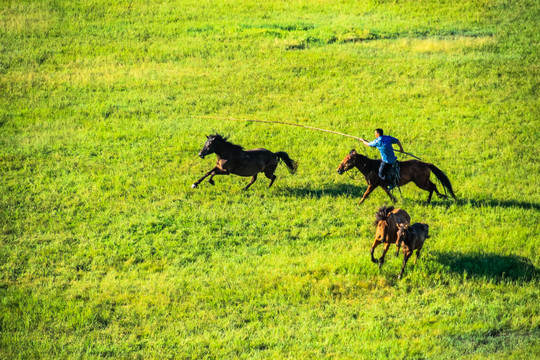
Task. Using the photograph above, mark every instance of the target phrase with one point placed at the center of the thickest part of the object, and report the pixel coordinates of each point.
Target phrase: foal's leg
(251, 182)
(196, 183)
(405, 258)
(381, 260)
(417, 256)
(372, 250)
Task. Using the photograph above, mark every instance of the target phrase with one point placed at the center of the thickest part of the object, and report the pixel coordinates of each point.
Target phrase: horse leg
(196, 183)
(372, 250)
(428, 185)
(440, 195)
(366, 194)
(399, 241)
(417, 256)
(381, 260)
(405, 258)
(272, 179)
(434, 188)
(270, 174)
(392, 197)
(217, 172)
(251, 182)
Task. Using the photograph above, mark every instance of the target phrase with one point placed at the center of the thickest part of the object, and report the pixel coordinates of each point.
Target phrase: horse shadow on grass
(493, 267)
(499, 203)
(507, 204)
(333, 190)
(355, 191)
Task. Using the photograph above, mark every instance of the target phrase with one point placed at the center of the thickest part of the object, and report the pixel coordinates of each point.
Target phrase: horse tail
(441, 176)
(382, 214)
(291, 164)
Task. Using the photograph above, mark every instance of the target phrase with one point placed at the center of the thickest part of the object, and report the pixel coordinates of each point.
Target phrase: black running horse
(233, 159)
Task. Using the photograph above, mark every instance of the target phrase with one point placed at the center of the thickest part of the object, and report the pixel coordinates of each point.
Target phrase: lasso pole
(299, 125)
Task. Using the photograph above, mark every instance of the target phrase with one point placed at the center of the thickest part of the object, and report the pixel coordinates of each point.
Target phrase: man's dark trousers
(384, 169)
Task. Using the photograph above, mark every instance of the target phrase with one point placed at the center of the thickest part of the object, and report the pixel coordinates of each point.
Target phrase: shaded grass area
(492, 267)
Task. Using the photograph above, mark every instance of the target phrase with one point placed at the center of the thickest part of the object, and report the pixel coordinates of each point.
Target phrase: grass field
(106, 251)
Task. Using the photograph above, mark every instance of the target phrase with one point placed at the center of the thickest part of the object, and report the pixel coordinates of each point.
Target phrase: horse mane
(373, 164)
(224, 140)
(383, 213)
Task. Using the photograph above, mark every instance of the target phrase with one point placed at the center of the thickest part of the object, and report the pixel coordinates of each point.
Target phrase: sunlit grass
(459, 45)
(106, 251)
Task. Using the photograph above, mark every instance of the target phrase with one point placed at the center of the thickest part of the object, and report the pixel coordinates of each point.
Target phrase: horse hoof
(194, 186)
(212, 182)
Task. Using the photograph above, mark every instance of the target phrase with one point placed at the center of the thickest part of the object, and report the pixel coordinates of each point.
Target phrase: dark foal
(411, 170)
(233, 159)
(412, 238)
(387, 220)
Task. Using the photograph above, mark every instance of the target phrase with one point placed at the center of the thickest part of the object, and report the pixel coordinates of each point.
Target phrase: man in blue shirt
(384, 144)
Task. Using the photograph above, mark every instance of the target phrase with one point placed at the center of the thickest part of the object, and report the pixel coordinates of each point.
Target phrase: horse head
(348, 162)
(425, 228)
(212, 141)
(402, 233)
(353, 159)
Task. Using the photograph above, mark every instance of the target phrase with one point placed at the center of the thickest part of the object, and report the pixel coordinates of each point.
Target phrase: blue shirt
(384, 144)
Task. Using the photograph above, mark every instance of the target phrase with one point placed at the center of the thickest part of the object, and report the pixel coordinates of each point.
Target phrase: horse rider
(384, 144)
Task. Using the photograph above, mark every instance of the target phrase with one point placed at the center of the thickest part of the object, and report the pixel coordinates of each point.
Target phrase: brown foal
(412, 237)
(387, 220)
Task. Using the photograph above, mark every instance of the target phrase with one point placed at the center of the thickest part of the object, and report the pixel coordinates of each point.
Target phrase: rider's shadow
(332, 190)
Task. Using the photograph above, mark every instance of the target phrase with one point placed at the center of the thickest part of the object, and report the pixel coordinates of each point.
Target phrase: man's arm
(400, 147)
(364, 142)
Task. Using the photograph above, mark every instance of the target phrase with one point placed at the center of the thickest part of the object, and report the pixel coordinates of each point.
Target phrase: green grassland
(106, 251)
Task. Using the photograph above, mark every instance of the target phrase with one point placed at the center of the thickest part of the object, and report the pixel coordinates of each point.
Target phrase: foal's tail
(291, 164)
(443, 179)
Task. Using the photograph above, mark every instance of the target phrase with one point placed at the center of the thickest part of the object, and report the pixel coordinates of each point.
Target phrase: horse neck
(365, 165)
(226, 150)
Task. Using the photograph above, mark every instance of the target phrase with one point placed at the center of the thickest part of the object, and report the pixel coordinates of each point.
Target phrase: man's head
(379, 132)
